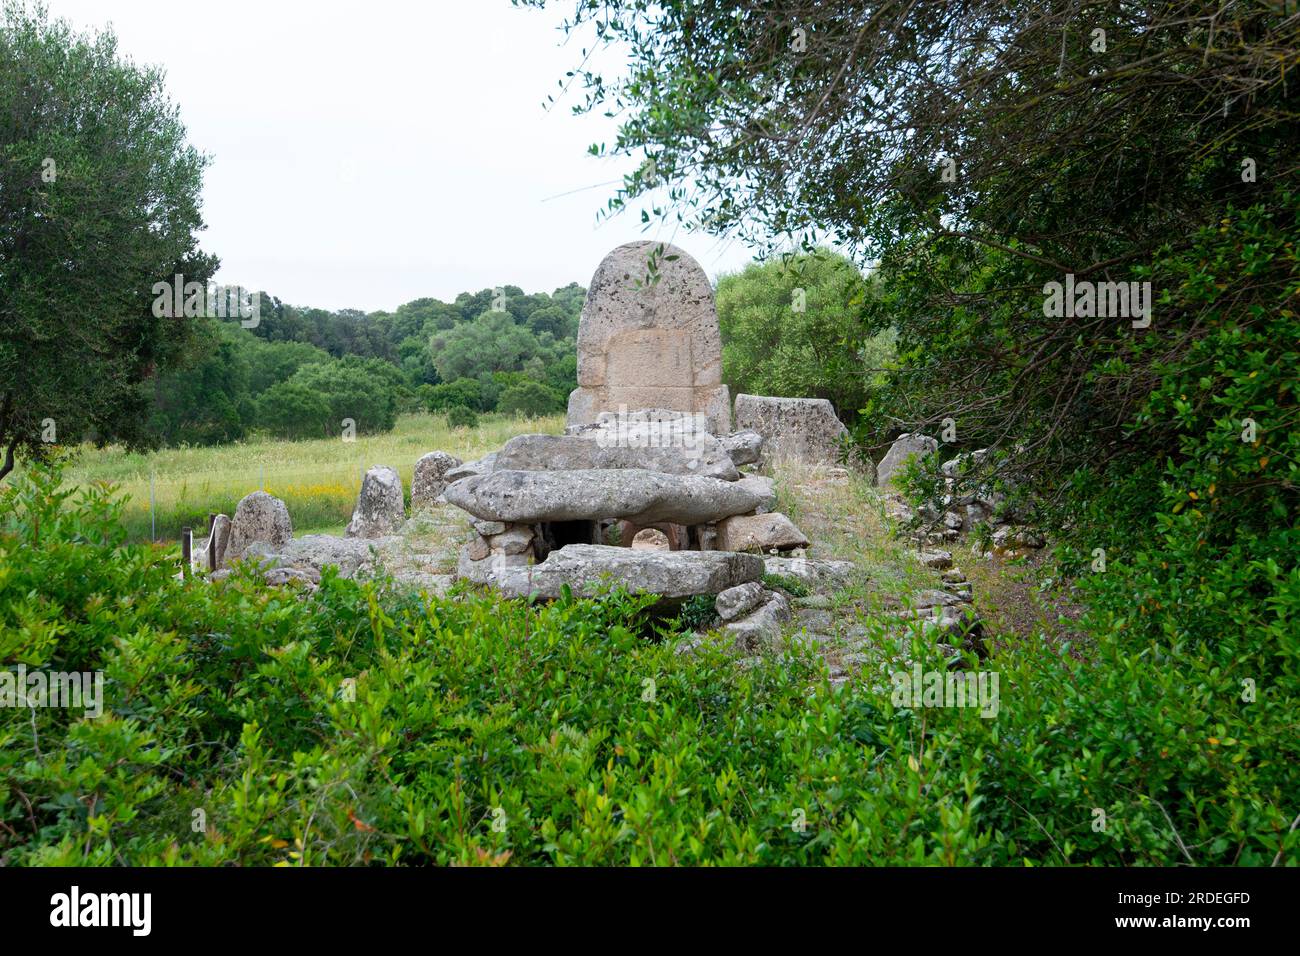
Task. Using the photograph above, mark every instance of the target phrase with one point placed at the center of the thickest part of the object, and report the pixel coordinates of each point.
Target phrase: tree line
(305, 372)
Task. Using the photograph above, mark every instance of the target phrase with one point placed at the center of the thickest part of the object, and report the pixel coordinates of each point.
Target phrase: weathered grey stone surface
(281, 576)
(642, 497)
(649, 344)
(430, 478)
(588, 568)
(380, 509)
(966, 461)
(762, 486)
(743, 598)
(759, 533)
(700, 454)
(258, 517)
(935, 558)
(491, 568)
(903, 449)
(480, 466)
(760, 629)
(659, 421)
(514, 540)
(744, 447)
(804, 429)
(262, 553)
(349, 555)
(313, 552)
(817, 573)
(933, 598)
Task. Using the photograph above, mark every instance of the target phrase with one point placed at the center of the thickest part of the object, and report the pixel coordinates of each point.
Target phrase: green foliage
(529, 398)
(318, 398)
(99, 200)
(463, 393)
(458, 416)
(796, 327)
(294, 409)
(784, 582)
(696, 613)
(493, 342)
(364, 724)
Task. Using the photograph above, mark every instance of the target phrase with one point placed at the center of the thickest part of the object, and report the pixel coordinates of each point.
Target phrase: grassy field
(318, 480)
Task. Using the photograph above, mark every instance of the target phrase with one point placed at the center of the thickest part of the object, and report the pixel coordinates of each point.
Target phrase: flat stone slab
(590, 568)
(349, 555)
(696, 454)
(642, 497)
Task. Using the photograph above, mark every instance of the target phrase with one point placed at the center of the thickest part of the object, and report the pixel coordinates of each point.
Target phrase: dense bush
(796, 327)
(365, 724)
(458, 416)
(316, 400)
(464, 392)
(528, 398)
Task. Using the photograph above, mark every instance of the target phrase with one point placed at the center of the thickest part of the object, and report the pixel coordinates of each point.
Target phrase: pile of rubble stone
(965, 504)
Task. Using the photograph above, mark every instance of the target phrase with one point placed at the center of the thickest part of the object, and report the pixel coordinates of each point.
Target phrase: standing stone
(431, 478)
(259, 518)
(380, 510)
(804, 429)
(900, 452)
(650, 341)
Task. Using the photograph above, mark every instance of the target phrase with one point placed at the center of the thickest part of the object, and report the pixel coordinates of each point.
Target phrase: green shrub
(531, 399)
(697, 613)
(458, 416)
(464, 393)
(367, 724)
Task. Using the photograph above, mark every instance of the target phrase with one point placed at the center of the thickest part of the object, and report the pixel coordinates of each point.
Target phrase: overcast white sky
(366, 154)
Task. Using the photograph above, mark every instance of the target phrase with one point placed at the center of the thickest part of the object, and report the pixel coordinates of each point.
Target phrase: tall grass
(319, 480)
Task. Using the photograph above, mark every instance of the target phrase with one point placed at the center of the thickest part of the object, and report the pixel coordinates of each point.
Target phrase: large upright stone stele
(650, 344)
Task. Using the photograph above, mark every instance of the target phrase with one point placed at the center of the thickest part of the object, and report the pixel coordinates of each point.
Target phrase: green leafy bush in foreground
(365, 724)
